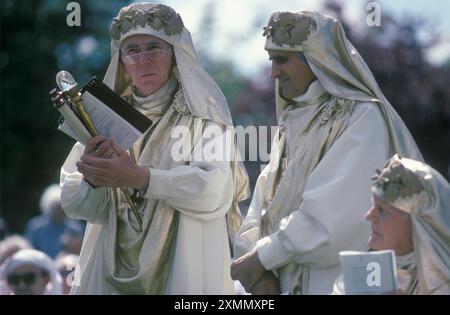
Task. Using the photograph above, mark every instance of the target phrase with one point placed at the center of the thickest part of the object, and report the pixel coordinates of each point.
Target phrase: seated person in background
(44, 231)
(31, 272)
(8, 247)
(72, 242)
(11, 245)
(411, 215)
(66, 264)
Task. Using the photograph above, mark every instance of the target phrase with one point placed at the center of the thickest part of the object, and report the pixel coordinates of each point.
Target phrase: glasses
(132, 58)
(65, 273)
(28, 278)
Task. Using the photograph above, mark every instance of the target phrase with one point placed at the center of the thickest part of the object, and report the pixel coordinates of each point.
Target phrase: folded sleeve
(335, 199)
(202, 189)
(78, 199)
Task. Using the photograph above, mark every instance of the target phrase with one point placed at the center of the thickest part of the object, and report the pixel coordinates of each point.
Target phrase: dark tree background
(36, 43)
(418, 90)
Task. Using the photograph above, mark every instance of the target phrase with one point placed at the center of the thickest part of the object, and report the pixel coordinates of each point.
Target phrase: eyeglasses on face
(65, 273)
(28, 278)
(133, 57)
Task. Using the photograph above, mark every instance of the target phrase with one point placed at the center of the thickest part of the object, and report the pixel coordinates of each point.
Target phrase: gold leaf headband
(396, 181)
(158, 17)
(289, 28)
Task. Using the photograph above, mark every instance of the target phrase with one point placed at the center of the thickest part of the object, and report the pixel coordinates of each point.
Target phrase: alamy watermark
(74, 17)
(374, 16)
(72, 275)
(373, 279)
(215, 143)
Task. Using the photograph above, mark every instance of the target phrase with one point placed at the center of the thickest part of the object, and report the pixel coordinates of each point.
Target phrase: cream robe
(201, 191)
(336, 197)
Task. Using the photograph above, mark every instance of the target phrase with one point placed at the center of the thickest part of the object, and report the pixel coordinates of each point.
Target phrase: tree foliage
(36, 43)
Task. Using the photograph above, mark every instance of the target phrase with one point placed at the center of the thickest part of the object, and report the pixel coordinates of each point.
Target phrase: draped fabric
(279, 204)
(117, 258)
(203, 97)
(419, 190)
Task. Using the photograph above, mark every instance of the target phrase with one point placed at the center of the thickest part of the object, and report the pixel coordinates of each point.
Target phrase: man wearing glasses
(148, 61)
(188, 207)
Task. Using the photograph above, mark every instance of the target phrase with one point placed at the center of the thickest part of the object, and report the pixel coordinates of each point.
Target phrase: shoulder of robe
(372, 109)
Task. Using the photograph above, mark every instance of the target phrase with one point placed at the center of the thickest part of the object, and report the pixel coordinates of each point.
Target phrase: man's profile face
(293, 75)
(148, 62)
(391, 227)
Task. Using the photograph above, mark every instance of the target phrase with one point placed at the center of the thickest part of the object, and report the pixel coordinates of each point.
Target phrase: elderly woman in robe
(411, 216)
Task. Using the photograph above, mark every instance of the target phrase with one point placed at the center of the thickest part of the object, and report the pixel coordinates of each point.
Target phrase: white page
(108, 123)
(72, 126)
(368, 272)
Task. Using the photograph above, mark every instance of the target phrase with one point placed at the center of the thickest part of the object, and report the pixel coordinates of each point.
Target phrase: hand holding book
(116, 170)
(100, 147)
(105, 124)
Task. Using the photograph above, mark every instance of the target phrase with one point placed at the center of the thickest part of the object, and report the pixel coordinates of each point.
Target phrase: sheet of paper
(72, 126)
(108, 123)
(368, 272)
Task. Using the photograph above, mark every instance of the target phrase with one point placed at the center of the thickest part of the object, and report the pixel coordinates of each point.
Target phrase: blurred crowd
(42, 261)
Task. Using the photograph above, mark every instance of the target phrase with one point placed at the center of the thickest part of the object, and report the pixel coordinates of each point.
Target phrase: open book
(112, 116)
(369, 272)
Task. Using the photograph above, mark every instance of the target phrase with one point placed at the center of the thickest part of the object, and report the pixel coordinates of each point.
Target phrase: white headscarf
(38, 259)
(203, 97)
(337, 65)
